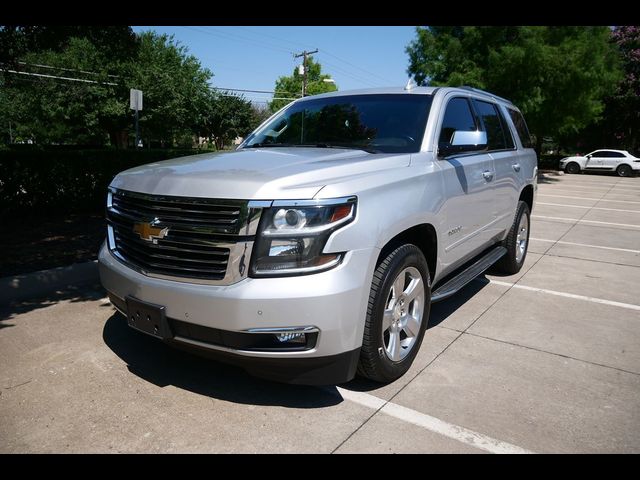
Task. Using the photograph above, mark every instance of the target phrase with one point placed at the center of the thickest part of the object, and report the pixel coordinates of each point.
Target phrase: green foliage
(227, 116)
(55, 111)
(174, 85)
(60, 179)
(623, 107)
(558, 76)
(291, 87)
(46, 111)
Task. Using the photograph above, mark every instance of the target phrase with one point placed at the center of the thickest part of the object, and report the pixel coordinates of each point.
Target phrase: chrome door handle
(488, 176)
(516, 167)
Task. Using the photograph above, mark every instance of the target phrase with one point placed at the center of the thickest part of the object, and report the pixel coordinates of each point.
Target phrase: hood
(255, 174)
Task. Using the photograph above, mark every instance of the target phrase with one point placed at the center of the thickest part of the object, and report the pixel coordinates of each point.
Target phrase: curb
(36, 284)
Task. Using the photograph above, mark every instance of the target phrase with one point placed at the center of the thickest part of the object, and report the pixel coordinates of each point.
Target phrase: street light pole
(304, 54)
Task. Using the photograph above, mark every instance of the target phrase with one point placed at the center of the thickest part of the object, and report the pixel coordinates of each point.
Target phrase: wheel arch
(526, 195)
(423, 236)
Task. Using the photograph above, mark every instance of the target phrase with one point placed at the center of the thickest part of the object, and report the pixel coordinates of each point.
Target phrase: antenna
(411, 84)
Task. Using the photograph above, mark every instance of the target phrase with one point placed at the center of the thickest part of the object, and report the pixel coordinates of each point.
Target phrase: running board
(467, 275)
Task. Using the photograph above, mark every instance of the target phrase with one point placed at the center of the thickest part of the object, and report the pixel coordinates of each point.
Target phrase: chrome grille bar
(187, 239)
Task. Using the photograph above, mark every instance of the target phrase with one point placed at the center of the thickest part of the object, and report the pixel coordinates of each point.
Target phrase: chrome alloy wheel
(403, 314)
(522, 238)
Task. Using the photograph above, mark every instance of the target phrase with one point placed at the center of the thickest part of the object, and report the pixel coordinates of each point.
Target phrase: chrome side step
(468, 274)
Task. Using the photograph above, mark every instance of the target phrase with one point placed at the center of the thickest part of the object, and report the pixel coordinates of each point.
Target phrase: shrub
(35, 180)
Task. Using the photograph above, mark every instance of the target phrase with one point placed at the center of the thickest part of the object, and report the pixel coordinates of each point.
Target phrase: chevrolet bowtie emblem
(149, 233)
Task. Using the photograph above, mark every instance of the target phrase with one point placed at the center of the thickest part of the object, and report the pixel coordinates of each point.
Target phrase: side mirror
(589, 157)
(462, 141)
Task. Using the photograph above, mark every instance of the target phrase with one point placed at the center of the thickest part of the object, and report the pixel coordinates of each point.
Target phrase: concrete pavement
(544, 361)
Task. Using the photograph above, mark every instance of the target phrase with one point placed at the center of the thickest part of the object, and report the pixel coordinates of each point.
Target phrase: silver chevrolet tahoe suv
(315, 249)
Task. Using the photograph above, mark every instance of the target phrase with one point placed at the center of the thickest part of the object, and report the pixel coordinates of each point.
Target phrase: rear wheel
(516, 243)
(623, 170)
(397, 314)
(572, 167)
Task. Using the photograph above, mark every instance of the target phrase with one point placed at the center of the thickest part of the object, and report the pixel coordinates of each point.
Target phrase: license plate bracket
(148, 318)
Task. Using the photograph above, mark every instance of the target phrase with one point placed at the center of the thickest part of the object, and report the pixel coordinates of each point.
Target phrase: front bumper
(335, 302)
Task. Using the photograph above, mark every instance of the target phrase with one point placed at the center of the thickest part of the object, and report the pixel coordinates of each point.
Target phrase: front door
(596, 160)
(468, 208)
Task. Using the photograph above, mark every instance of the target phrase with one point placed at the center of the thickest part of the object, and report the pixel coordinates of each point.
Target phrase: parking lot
(544, 361)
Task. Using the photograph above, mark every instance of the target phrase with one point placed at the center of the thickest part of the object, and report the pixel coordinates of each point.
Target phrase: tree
(175, 88)
(227, 117)
(289, 88)
(623, 107)
(16, 41)
(96, 111)
(259, 114)
(558, 76)
(55, 110)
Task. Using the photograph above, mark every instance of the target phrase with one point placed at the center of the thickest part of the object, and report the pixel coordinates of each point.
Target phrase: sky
(252, 58)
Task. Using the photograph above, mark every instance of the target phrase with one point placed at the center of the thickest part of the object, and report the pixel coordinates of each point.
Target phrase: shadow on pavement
(546, 178)
(83, 293)
(162, 365)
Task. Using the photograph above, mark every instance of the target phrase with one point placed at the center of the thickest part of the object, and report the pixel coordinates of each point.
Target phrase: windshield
(389, 123)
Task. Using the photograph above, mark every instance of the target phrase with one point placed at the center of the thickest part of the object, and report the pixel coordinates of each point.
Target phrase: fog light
(291, 338)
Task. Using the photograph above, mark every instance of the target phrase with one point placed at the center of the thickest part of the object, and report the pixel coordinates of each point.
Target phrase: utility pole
(304, 54)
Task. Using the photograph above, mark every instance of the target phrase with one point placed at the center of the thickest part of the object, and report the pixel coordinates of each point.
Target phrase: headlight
(292, 235)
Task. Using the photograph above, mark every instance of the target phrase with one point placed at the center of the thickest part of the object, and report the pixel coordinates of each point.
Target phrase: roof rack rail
(477, 90)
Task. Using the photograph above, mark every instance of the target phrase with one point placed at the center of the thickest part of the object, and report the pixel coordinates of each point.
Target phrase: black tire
(572, 167)
(509, 263)
(374, 363)
(623, 170)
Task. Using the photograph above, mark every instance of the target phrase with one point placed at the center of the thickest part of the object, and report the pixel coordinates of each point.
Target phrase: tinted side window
(616, 155)
(521, 128)
(508, 136)
(458, 116)
(601, 154)
(489, 114)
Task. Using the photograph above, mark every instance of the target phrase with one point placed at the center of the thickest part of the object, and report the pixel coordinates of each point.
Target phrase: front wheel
(517, 242)
(397, 315)
(623, 170)
(572, 167)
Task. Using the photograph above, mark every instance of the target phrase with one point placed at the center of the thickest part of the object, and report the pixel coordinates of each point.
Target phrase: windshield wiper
(262, 145)
(312, 145)
(346, 147)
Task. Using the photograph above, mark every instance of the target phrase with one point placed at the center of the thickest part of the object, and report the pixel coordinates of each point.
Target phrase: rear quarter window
(521, 128)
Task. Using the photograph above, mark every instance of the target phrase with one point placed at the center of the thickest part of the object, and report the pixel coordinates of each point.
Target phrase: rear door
(468, 207)
(508, 170)
(613, 159)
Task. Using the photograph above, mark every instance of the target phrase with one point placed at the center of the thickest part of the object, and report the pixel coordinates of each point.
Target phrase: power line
(66, 69)
(230, 36)
(349, 74)
(297, 44)
(322, 51)
(355, 66)
(252, 91)
(56, 77)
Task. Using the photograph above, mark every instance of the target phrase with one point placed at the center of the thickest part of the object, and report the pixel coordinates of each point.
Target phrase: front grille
(184, 237)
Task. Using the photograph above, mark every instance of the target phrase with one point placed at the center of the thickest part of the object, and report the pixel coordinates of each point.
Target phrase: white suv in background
(620, 161)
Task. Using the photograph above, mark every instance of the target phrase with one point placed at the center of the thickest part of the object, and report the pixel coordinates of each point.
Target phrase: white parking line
(592, 208)
(596, 189)
(574, 220)
(585, 245)
(629, 306)
(433, 424)
(585, 198)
